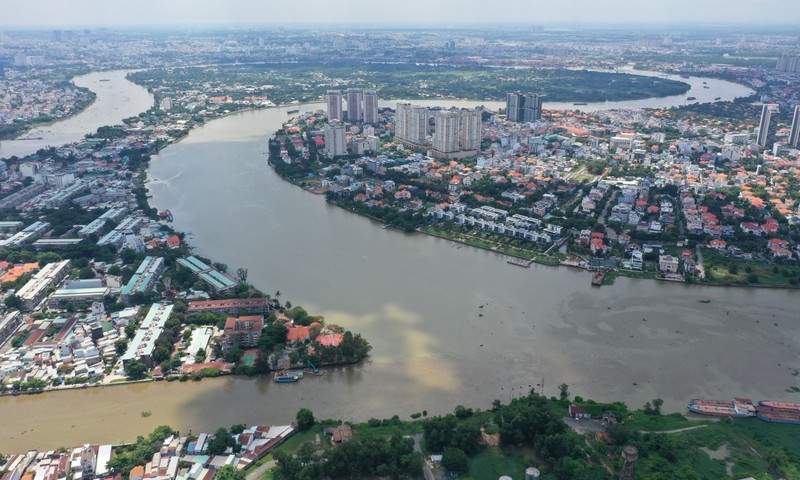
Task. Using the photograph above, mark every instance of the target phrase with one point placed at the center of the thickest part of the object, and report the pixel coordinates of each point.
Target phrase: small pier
(519, 262)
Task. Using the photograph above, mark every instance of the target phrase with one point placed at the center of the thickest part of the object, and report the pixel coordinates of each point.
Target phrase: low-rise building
(143, 343)
(144, 279)
(668, 264)
(233, 306)
(242, 331)
(36, 289)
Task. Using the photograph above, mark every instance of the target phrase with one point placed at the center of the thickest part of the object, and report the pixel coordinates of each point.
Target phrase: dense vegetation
(139, 452)
(391, 457)
(411, 80)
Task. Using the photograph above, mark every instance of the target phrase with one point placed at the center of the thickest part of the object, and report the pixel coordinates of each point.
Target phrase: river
(449, 324)
(117, 98)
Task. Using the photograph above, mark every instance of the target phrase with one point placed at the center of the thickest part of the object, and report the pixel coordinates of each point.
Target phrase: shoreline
(27, 130)
(536, 259)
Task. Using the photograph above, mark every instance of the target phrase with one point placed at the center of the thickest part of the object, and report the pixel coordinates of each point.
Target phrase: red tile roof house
(578, 412)
(330, 339)
(339, 435)
(297, 333)
(174, 241)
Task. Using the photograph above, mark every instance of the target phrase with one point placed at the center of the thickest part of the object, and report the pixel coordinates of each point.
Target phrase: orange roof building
(17, 271)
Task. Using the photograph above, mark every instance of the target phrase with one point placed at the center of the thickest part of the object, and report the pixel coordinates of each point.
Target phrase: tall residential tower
(370, 107)
(411, 123)
(768, 125)
(334, 98)
(794, 133)
(354, 111)
(335, 140)
(445, 137)
(523, 107)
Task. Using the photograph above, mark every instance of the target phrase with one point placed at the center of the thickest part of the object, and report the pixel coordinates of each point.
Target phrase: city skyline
(93, 13)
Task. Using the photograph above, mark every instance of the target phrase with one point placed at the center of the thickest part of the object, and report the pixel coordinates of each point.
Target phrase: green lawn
(660, 423)
(493, 463)
(720, 269)
(514, 248)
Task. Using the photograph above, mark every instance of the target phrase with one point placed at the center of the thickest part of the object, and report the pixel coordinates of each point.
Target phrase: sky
(113, 13)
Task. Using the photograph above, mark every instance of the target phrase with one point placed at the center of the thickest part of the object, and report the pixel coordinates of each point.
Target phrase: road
(610, 232)
(260, 471)
(701, 271)
(426, 468)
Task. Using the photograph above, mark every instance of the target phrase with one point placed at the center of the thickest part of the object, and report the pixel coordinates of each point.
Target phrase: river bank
(115, 100)
(420, 303)
(24, 133)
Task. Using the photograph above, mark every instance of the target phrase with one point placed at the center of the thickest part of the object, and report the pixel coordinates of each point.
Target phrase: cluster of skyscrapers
(768, 126)
(457, 133)
(523, 107)
(362, 106)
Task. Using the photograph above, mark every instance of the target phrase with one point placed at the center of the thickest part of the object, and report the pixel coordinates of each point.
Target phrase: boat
(580, 103)
(718, 98)
(706, 86)
(105, 80)
(287, 376)
(780, 405)
(689, 99)
(165, 215)
(778, 415)
(597, 278)
(739, 407)
(294, 110)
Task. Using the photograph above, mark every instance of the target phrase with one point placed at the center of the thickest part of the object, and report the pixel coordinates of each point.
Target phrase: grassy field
(492, 463)
(518, 250)
(720, 269)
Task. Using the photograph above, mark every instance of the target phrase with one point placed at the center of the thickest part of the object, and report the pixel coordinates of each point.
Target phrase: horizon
(35, 14)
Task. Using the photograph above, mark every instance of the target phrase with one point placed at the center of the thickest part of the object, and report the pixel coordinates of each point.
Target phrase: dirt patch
(721, 453)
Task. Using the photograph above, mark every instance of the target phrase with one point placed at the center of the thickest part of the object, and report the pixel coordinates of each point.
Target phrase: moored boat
(778, 415)
(740, 407)
(287, 376)
(779, 405)
(597, 278)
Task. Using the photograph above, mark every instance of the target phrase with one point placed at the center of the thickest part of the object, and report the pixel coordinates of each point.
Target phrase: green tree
(241, 274)
(305, 418)
(13, 302)
(229, 472)
(455, 460)
(135, 370)
(563, 391)
(220, 442)
(47, 257)
(121, 345)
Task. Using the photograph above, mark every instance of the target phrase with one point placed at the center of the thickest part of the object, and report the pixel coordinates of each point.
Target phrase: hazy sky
(66, 13)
